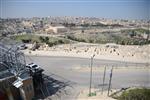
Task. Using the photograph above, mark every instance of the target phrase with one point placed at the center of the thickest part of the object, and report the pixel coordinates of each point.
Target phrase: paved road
(62, 66)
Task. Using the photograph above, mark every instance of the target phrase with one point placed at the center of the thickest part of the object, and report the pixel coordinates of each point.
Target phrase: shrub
(41, 39)
(135, 94)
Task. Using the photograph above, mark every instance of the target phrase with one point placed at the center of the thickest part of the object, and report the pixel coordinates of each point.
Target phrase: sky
(114, 9)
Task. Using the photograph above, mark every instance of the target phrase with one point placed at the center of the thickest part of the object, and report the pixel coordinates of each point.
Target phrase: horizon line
(76, 1)
(73, 16)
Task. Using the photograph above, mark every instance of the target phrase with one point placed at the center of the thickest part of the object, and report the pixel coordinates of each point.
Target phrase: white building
(56, 29)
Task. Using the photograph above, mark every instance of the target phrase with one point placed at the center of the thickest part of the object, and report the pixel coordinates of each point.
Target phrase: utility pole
(103, 79)
(91, 73)
(109, 87)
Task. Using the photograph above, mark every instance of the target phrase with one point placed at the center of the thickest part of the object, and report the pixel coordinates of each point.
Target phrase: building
(13, 88)
(6, 88)
(56, 29)
(15, 81)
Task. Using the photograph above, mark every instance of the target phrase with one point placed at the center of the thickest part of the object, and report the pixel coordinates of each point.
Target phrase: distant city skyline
(114, 9)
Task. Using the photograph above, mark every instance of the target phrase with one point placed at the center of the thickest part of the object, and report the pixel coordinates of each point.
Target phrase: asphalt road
(62, 66)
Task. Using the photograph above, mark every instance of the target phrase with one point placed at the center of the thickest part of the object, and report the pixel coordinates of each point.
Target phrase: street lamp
(103, 79)
(109, 87)
(91, 65)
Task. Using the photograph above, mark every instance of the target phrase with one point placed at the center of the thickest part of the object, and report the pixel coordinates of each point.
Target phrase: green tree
(41, 39)
(46, 39)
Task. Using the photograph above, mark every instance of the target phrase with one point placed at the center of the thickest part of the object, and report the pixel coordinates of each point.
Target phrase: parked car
(22, 47)
(32, 66)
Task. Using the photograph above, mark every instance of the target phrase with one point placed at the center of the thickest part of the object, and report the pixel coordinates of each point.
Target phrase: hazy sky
(122, 9)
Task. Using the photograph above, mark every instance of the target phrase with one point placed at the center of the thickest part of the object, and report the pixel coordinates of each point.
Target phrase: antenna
(13, 58)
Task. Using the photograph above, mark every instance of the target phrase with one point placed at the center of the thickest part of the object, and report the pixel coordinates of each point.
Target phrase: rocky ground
(108, 51)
